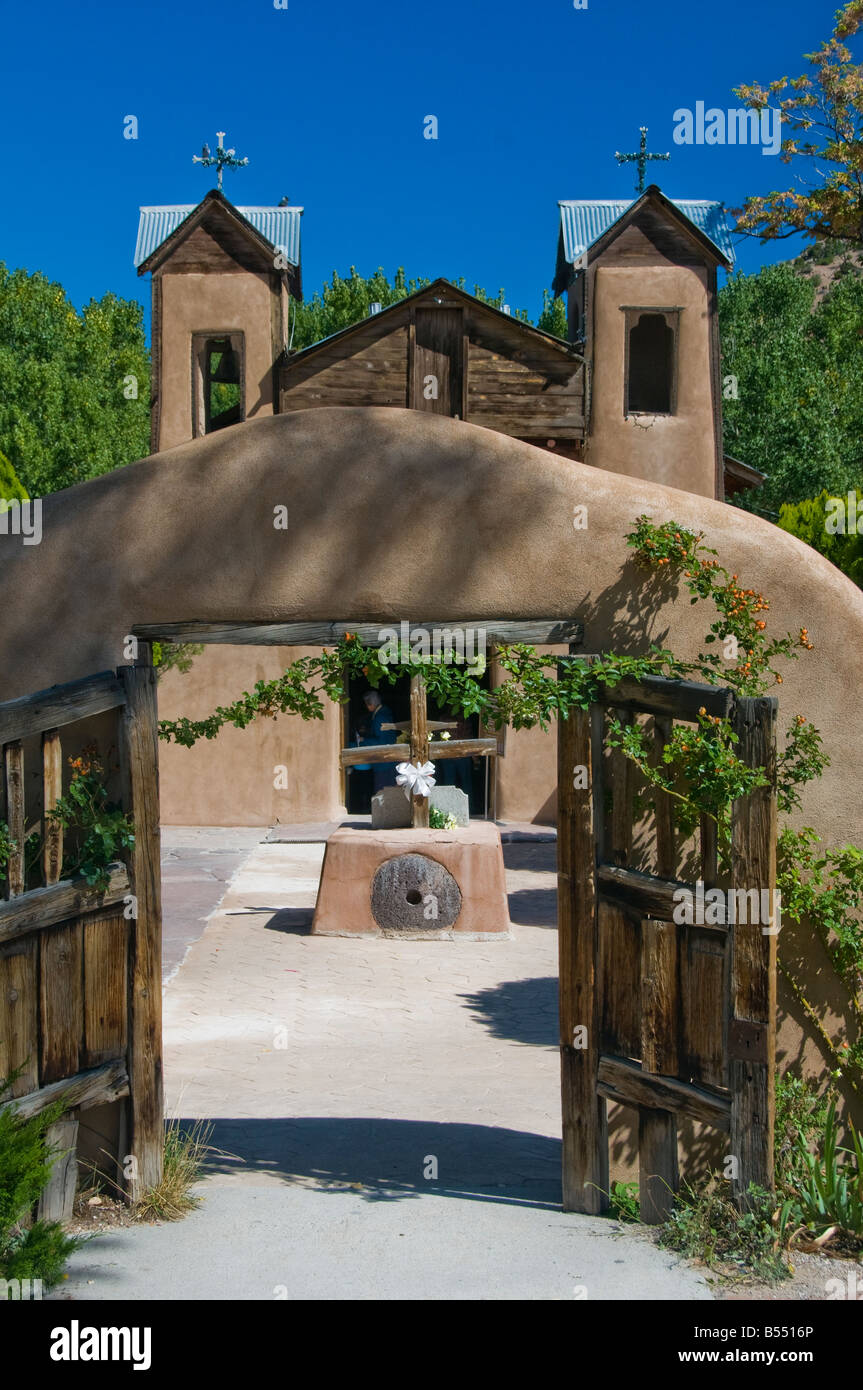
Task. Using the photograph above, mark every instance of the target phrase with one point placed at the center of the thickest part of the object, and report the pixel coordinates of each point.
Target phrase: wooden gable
(216, 239)
(217, 245)
(485, 366)
(654, 231)
(649, 239)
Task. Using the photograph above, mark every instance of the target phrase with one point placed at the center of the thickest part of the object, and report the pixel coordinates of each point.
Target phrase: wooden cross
(420, 752)
(641, 158)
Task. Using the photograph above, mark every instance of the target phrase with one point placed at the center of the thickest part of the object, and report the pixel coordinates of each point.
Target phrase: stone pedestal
(422, 884)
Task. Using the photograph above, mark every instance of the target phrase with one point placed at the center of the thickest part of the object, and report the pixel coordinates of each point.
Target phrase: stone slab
(473, 856)
(391, 809)
(452, 801)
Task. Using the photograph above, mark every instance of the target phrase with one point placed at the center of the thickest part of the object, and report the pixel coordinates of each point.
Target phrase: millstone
(412, 893)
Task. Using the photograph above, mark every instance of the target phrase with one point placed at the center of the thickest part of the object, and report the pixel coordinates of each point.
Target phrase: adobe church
(636, 390)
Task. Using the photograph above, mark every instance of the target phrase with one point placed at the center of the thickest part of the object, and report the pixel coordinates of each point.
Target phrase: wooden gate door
(80, 970)
(438, 361)
(671, 1020)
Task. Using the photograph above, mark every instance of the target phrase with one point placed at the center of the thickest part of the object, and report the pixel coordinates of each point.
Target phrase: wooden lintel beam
(538, 631)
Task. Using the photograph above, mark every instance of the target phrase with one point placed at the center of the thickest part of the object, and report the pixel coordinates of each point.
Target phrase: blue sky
(327, 98)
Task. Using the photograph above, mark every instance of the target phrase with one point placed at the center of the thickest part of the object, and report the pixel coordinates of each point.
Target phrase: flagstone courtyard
(386, 1113)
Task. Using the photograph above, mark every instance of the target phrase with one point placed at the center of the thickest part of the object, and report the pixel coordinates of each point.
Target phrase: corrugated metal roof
(583, 222)
(280, 227)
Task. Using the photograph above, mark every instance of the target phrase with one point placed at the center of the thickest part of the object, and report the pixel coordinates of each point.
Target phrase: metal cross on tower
(641, 158)
(223, 159)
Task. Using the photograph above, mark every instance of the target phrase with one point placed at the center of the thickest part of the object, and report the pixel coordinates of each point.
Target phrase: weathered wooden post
(752, 1024)
(585, 1130)
(419, 747)
(140, 760)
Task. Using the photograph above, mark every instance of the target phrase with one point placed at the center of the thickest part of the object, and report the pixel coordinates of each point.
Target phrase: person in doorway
(382, 730)
(458, 772)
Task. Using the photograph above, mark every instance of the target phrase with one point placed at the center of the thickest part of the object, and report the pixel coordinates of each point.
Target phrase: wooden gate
(80, 971)
(672, 1020)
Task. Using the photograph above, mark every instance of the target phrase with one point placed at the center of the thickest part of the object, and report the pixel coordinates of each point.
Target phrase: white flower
(446, 734)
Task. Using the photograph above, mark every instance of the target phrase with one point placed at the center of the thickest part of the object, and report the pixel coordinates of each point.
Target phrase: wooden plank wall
(64, 948)
(518, 384)
(539, 392)
(364, 369)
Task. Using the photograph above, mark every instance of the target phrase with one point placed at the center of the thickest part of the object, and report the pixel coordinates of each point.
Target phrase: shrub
(11, 487)
(827, 1201)
(801, 1113)
(705, 1224)
(39, 1251)
(807, 521)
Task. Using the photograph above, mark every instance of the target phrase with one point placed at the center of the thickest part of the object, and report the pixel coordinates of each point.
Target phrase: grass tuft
(185, 1151)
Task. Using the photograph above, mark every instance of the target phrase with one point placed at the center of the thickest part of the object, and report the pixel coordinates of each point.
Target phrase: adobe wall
(678, 450)
(239, 777)
(189, 535)
(193, 302)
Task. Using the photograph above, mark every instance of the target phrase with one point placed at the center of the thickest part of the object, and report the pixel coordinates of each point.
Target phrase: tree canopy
(797, 369)
(74, 387)
(823, 110)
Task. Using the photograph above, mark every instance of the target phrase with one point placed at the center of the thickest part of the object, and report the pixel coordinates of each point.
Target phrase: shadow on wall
(627, 613)
(386, 1159)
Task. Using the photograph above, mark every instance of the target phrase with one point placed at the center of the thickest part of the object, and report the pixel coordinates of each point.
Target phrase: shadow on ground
(533, 907)
(388, 1159)
(524, 1011)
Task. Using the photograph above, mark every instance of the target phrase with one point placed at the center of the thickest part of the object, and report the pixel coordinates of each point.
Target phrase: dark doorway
(467, 773)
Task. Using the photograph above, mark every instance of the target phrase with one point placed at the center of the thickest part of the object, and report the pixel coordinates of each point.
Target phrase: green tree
(824, 113)
(553, 316)
(10, 484)
(808, 521)
(74, 387)
(797, 371)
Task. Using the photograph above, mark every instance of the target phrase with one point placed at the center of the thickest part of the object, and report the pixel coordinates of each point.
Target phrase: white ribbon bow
(417, 779)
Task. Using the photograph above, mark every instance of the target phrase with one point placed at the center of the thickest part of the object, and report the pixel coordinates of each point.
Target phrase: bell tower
(640, 278)
(222, 281)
